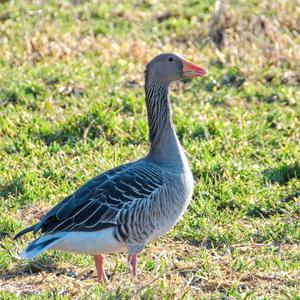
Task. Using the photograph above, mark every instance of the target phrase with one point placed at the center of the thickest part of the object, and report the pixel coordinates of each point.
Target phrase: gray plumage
(132, 204)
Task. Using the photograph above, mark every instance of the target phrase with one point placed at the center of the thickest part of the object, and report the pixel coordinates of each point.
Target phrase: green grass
(72, 106)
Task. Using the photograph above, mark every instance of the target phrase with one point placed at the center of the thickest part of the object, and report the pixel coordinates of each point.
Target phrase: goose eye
(170, 59)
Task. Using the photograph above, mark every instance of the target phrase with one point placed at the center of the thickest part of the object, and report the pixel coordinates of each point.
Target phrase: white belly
(95, 242)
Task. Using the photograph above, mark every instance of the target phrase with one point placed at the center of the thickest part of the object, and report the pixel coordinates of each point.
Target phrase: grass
(72, 106)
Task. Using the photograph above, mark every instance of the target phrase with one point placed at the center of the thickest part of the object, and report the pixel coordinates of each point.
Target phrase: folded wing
(99, 203)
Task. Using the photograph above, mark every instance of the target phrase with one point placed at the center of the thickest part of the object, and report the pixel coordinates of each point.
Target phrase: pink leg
(99, 262)
(132, 259)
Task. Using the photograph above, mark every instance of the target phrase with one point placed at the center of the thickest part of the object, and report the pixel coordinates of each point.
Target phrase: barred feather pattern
(137, 199)
(158, 109)
(146, 220)
(140, 200)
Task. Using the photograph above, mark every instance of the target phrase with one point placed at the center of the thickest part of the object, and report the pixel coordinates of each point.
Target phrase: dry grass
(259, 39)
(179, 275)
(267, 39)
(270, 37)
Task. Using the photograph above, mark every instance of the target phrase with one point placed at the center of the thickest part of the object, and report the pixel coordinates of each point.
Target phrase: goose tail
(39, 245)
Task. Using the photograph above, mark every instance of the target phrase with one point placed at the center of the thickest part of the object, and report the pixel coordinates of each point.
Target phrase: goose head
(168, 67)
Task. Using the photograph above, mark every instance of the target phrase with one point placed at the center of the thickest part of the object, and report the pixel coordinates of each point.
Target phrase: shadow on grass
(283, 174)
(36, 275)
(87, 127)
(257, 211)
(12, 189)
(32, 267)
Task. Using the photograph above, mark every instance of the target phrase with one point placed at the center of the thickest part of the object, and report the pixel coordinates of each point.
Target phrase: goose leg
(99, 262)
(132, 259)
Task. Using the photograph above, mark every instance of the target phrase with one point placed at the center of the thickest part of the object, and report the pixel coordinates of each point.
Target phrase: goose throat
(158, 111)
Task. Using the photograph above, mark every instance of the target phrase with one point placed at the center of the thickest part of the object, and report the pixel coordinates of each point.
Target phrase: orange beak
(191, 70)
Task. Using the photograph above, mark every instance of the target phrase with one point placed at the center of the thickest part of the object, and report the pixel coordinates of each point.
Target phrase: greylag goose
(130, 205)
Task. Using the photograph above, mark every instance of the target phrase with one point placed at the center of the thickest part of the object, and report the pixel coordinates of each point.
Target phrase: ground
(72, 106)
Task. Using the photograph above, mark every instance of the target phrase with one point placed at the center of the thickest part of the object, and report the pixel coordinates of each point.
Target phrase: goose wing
(98, 203)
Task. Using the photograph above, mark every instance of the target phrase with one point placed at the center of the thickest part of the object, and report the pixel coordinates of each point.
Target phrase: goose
(128, 206)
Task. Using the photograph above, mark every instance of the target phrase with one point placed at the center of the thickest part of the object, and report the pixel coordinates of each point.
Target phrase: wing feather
(105, 201)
